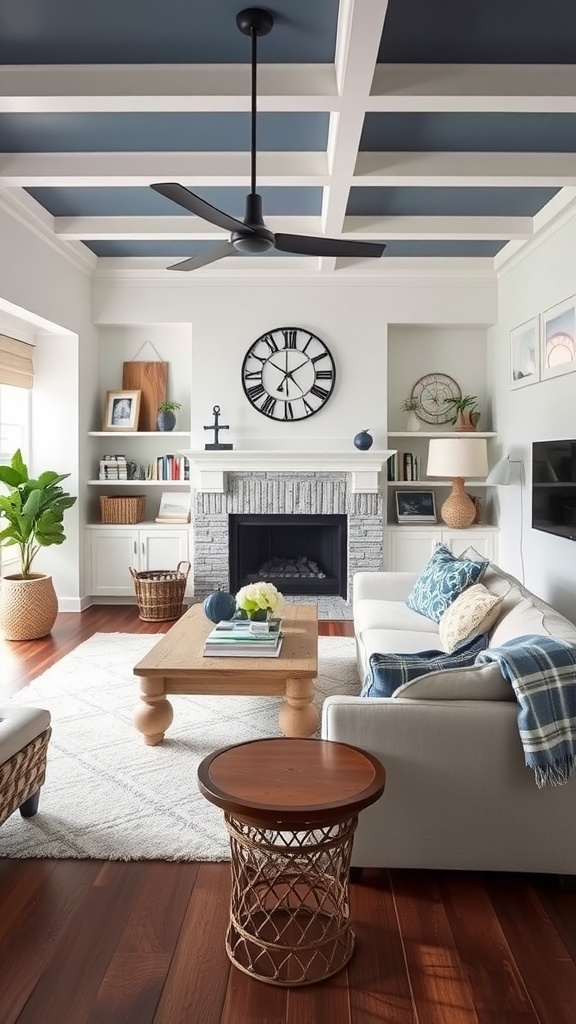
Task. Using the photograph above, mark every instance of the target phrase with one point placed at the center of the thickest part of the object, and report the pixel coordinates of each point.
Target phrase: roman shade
(16, 362)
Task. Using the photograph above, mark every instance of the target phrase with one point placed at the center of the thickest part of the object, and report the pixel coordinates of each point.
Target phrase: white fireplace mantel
(208, 468)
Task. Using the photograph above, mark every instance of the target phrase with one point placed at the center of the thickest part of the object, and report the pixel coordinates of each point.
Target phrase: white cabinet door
(408, 550)
(484, 541)
(162, 549)
(111, 552)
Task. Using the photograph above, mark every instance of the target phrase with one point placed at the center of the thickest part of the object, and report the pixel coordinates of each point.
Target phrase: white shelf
(441, 433)
(117, 434)
(143, 524)
(138, 483)
(440, 527)
(435, 483)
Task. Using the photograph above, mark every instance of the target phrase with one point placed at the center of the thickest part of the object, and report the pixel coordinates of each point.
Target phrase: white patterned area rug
(107, 795)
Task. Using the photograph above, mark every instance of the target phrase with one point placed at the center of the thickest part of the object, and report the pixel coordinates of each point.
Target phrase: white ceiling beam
(358, 228)
(360, 24)
(501, 88)
(165, 228)
(162, 87)
(117, 169)
(546, 170)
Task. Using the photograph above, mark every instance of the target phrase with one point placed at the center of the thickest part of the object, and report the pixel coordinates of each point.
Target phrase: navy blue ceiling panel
(146, 132)
(469, 133)
(428, 248)
(166, 32)
(171, 250)
(466, 202)
(145, 202)
(479, 32)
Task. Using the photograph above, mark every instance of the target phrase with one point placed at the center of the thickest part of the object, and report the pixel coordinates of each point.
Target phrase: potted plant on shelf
(463, 410)
(411, 406)
(33, 510)
(165, 419)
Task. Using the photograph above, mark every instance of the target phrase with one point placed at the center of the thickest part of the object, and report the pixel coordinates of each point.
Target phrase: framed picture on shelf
(525, 354)
(558, 343)
(121, 410)
(416, 506)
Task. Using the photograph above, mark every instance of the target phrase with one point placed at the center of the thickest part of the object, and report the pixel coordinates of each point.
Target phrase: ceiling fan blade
(191, 202)
(316, 245)
(218, 252)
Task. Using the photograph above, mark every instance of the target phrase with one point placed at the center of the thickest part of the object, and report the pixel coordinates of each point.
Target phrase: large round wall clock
(288, 374)
(431, 391)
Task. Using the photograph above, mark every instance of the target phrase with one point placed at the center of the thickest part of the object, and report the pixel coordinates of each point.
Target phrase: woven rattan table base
(23, 774)
(289, 914)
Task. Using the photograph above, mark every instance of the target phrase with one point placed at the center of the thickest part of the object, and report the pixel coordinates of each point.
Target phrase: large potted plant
(33, 510)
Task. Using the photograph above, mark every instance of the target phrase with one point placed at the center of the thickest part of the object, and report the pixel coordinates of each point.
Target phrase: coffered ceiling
(446, 129)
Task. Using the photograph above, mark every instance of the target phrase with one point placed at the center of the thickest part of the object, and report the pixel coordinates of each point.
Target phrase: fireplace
(300, 554)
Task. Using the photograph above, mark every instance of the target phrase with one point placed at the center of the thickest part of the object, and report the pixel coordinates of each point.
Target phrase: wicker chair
(24, 736)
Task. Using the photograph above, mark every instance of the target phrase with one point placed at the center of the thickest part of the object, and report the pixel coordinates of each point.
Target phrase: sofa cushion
(390, 615)
(397, 641)
(441, 581)
(473, 613)
(469, 683)
(386, 672)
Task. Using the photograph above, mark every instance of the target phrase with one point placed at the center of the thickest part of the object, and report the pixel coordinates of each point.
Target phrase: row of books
(404, 466)
(241, 638)
(168, 467)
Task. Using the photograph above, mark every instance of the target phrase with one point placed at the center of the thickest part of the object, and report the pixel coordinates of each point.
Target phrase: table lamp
(457, 458)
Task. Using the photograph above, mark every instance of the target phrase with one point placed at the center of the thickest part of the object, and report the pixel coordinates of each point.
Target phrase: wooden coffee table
(176, 665)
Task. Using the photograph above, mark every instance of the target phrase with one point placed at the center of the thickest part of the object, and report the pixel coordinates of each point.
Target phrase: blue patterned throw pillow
(441, 581)
(386, 672)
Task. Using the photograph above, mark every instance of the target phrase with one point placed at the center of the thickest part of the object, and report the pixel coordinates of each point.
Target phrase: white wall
(351, 317)
(532, 283)
(45, 299)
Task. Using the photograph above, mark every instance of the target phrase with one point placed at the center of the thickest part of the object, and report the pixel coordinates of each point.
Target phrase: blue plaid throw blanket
(542, 670)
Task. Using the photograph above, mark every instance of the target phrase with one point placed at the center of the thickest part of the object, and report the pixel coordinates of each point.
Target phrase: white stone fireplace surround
(285, 483)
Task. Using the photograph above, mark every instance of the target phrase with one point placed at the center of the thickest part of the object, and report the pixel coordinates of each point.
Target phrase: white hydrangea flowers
(259, 597)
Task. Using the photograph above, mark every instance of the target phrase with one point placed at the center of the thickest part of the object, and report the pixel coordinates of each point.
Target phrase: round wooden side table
(291, 808)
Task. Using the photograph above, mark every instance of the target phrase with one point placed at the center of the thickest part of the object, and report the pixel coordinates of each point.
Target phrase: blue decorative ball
(363, 441)
(219, 606)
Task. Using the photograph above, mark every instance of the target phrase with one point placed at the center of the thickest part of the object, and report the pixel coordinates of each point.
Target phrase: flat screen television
(554, 487)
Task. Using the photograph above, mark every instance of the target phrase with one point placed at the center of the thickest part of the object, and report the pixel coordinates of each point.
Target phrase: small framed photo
(121, 410)
(416, 506)
(525, 354)
(558, 344)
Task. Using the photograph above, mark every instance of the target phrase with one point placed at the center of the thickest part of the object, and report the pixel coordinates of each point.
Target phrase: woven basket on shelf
(122, 510)
(160, 592)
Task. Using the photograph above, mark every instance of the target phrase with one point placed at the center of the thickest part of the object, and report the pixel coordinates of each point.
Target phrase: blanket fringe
(555, 774)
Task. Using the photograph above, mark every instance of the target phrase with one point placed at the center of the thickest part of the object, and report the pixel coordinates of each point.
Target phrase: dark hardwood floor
(89, 942)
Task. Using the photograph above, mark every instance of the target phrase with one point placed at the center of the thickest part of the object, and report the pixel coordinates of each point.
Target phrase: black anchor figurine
(217, 427)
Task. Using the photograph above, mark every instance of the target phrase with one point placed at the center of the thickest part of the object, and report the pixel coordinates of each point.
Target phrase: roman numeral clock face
(288, 374)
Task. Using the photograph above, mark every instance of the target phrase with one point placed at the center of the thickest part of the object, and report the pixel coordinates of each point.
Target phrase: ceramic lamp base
(458, 511)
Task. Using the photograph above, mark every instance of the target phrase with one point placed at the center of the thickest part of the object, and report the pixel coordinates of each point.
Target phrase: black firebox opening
(300, 554)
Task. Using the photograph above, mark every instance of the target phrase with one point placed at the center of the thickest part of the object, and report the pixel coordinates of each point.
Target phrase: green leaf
(11, 476)
(19, 465)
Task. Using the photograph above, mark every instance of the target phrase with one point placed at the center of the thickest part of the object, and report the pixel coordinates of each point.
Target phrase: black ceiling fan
(251, 237)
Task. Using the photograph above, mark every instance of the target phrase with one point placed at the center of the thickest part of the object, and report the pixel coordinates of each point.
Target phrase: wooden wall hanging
(152, 380)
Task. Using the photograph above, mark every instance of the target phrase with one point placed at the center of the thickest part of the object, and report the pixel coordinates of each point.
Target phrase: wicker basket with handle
(160, 592)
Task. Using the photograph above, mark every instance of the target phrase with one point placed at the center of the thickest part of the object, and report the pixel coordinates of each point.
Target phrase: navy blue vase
(363, 440)
(219, 607)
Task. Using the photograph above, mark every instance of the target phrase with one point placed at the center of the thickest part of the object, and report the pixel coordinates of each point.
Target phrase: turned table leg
(299, 715)
(154, 713)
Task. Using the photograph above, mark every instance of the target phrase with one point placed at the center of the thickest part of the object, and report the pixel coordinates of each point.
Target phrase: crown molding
(24, 209)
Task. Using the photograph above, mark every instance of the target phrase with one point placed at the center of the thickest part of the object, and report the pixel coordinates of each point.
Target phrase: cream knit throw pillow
(472, 614)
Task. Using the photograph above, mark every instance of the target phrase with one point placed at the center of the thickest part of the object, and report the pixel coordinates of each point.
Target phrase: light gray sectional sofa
(458, 794)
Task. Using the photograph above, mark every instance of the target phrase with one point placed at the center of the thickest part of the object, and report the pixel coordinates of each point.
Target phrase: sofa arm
(382, 586)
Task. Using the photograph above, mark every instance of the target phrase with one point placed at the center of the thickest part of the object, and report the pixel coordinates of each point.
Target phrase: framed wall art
(121, 410)
(558, 339)
(525, 354)
(416, 506)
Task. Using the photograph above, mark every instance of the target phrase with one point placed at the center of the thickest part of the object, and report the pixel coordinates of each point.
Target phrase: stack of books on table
(241, 638)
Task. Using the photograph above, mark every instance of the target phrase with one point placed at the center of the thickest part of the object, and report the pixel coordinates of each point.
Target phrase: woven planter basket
(160, 592)
(28, 607)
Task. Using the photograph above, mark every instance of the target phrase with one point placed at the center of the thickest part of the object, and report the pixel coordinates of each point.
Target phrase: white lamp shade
(457, 456)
